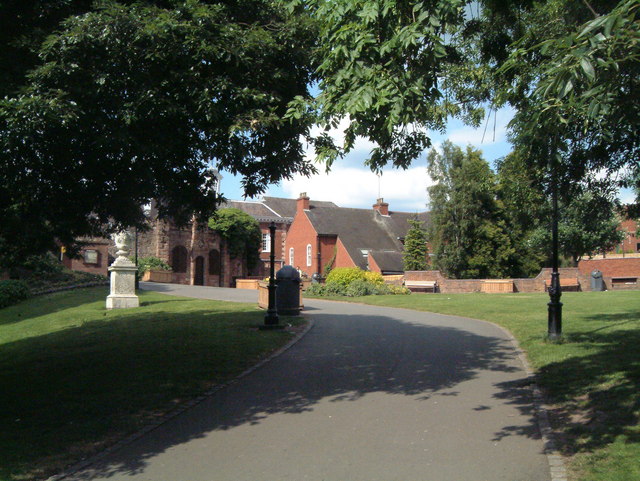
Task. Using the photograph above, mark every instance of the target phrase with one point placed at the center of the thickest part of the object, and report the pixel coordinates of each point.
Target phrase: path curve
(369, 394)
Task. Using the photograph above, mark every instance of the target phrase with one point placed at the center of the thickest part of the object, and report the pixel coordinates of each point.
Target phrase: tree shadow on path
(343, 360)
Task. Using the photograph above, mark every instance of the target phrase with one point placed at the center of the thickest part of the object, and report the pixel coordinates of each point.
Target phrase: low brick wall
(537, 284)
(617, 273)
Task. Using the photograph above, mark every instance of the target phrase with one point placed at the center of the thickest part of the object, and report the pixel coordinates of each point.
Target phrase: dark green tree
(588, 225)
(588, 218)
(468, 232)
(520, 191)
(241, 234)
(132, 102)
(414, 257)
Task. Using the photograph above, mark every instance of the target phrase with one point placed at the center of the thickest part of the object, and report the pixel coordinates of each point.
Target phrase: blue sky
(351, 184)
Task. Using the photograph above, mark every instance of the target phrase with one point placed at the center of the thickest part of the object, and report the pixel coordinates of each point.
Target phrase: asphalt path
(368, 394)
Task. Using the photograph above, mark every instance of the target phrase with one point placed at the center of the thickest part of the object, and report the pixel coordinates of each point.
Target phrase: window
(308, 255)
(291, 258)
(91, 256)
(179, 259)
(266, 242)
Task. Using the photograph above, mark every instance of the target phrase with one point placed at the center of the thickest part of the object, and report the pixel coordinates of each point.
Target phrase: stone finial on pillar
(123, 276)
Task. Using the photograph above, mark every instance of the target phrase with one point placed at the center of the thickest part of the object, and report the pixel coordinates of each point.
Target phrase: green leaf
(587, 68)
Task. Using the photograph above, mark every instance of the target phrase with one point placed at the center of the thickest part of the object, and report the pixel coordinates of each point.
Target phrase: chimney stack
(303, 202)
(381, 206)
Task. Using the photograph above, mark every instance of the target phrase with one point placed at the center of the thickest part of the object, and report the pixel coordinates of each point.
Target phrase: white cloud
(404, 190)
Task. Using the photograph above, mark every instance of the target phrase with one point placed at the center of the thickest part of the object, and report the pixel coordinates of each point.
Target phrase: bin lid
(596, 273)
(288, 272)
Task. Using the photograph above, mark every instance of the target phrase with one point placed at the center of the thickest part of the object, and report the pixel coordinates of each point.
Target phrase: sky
(351, 184)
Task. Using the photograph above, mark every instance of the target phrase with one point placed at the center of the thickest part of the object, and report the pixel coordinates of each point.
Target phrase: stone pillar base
(123, 284)
(122, 302)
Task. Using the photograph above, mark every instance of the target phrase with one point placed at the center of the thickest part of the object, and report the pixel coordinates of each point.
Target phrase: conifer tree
(415, 253)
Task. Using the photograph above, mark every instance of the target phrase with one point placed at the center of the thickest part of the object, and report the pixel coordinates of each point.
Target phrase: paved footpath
(368, 394)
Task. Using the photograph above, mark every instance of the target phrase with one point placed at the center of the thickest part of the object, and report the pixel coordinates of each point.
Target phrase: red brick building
(631, 242)
(310, 235)
(323, 234)
(93, 257)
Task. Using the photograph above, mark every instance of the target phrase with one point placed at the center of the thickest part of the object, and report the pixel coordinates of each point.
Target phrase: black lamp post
(271, 317)
(554, 330)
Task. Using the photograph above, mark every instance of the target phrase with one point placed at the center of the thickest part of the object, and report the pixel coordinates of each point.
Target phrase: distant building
(325, 236)
(310, 235)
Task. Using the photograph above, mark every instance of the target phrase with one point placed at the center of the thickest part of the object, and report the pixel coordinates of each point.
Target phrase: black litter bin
(288, 291)
(597, 283)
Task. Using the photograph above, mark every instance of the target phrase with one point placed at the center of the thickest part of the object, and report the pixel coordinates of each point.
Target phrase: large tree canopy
(396, 69)
(127, 103)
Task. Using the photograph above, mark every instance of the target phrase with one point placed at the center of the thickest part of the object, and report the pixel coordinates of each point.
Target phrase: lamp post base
(555, 320)
(271, 321)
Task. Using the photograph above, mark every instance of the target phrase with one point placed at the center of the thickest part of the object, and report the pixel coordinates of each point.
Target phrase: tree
(395, 70)
(588, 219)
(468, 232)
(588, 225)
(382, 66)
(525, 207)
(128, 103)
(414, 257)
(241, 233)
(583, 106)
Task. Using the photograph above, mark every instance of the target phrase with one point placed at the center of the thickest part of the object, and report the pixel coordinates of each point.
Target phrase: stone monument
(123, 276)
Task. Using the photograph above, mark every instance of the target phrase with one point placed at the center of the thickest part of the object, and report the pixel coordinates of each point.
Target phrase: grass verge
(592, 377)
(76, 377)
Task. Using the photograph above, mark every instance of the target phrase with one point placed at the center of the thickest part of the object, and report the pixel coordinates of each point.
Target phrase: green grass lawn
(592, 378)
(75, 377)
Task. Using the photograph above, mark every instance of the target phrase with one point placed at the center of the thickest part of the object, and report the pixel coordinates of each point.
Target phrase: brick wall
(328, 249)
(279, 253)
(343, 259)
(100, 266)
(373, 265)
(300, 234)
(631, 241)
(613, 270)
(536, 284)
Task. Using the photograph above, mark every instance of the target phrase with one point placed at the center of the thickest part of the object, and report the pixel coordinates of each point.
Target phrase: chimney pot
(303, 202)
(381, 206)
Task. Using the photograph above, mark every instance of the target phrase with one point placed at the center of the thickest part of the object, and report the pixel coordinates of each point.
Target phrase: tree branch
(595, 14)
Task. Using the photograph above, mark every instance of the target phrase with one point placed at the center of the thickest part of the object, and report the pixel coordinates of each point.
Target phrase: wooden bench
(566, 283)
(418, 286)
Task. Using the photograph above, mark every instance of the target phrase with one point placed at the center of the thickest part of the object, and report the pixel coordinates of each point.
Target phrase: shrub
(354, 282)
(362, 287)
(398, 290)
(315, 290)
(344, 276)
(335, 289)
(151, 264)
(12, 291)
(45, 266)
(374, 277)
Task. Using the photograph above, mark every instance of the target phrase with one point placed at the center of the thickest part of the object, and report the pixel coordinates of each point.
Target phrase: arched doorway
(198, 278)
